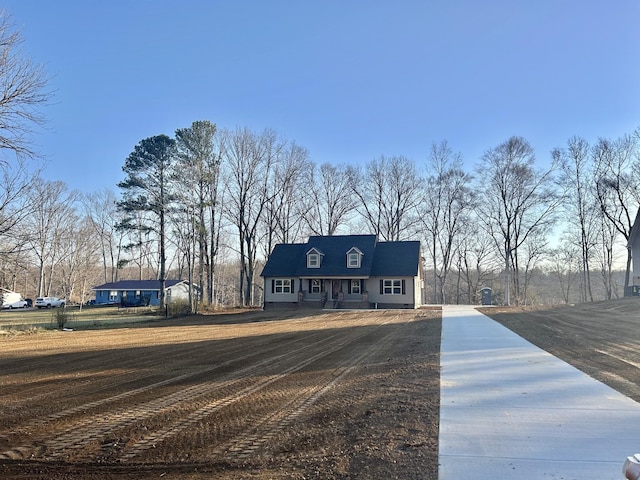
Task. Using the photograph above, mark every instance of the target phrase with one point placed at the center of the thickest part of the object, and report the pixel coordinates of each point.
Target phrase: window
(355, 286)
(392, 287)
(313, 260)
(316, 286)
(354, 260)
(113, 295)
(282, 285)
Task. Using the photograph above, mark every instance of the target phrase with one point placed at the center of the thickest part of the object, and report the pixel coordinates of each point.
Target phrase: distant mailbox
(486, 296)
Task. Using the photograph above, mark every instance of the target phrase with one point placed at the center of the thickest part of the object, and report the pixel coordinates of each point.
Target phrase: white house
(344, 271)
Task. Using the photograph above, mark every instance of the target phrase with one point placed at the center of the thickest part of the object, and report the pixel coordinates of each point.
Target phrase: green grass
(76, 318)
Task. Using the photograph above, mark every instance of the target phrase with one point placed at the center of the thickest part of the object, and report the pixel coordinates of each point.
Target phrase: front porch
(333, 293)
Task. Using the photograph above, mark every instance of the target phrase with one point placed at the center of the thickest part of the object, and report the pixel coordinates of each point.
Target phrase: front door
(335, 288)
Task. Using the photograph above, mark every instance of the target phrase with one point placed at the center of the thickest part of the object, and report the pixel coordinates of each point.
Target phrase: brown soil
(264, 395)
(253, 395)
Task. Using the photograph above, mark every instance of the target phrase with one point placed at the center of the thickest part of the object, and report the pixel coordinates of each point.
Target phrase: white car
(49, 302)
(17, 304)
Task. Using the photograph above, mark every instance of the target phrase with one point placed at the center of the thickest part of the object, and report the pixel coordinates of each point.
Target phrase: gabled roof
(378, 258)
(137, 285)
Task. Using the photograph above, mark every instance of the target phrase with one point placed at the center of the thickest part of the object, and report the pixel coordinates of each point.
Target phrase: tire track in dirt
(88, 430)
(246, 445)
(137, 391)
(264, 429)
(150, 441)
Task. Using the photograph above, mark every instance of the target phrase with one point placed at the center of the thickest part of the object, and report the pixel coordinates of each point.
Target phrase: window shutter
(349, 287)
(362, 289)
(403, 287)
(273, 285)
(381, 287)
(293, 285)
(309, 286)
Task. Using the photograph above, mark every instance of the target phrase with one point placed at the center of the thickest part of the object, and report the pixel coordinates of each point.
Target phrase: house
(344, 271)
(633, 244)
(140, 292)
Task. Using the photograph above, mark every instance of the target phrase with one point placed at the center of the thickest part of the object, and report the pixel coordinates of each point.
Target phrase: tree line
(209, 198)
(209, 204)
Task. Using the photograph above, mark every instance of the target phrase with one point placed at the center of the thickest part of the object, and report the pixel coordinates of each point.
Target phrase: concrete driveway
(511, 410)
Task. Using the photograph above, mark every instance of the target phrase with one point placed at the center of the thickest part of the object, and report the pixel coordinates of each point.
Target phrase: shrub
(178, 308)
(61, 317)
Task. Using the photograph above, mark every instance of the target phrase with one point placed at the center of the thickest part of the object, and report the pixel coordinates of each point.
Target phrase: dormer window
(354, 257)
(314, 258)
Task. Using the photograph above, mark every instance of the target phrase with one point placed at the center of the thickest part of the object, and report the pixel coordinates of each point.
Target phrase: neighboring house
(140, 292)
(633, 244)
(344, 271)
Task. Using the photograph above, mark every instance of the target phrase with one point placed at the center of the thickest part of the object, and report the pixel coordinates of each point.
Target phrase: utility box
(486, 296)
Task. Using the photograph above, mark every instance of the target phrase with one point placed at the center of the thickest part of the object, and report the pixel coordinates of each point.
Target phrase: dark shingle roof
(284, 260)
(378, 259)
(137, 285)
(396, 258)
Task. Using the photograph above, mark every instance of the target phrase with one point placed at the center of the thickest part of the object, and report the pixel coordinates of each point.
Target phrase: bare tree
(447, 203)
(283, 218)
(49, 227)
(100, 209)
(606, 256)
(388, 192)
(250, 161)
(78, 256)
(577, 175)
(22, 92)
(15, 204)
(533, 251)
(328, 198)
(475, 260)
(565, 265)
(616, 184)
(516, 202)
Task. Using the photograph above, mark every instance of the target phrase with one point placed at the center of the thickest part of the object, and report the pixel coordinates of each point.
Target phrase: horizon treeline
(207, 201)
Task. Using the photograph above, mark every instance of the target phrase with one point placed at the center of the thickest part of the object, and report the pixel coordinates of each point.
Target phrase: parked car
(49, 302)
(16, 304)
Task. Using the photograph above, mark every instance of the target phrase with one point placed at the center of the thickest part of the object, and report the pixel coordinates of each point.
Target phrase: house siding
(270, 295)
(635, 262)
(406, 300)
(179, 293)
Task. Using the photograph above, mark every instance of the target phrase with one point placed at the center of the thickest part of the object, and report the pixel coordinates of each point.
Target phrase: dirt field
(263, 395)
(252, 395)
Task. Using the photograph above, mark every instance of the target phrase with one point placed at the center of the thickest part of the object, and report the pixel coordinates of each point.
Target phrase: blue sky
(349, 80)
